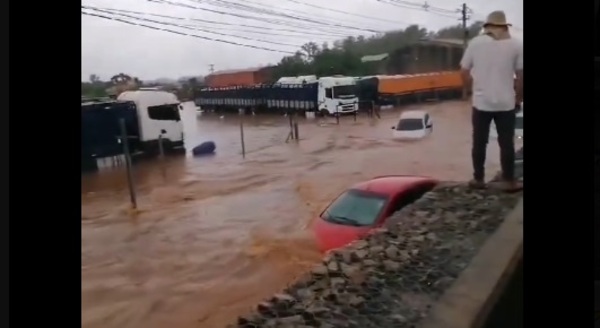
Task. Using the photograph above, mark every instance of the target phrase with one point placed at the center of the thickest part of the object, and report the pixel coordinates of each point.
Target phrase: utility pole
(211, 68)
(464, 18)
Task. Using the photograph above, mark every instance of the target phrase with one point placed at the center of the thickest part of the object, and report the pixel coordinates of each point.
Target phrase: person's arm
(519, 75)
(466, 64)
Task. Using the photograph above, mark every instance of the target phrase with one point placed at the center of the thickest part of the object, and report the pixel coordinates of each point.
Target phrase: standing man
(492, 67)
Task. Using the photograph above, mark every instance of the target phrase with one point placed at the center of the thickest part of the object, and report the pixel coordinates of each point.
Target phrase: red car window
(355, 208)
(408, 197)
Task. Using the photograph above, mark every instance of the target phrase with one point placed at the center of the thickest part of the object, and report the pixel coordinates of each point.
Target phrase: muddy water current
(212, 236)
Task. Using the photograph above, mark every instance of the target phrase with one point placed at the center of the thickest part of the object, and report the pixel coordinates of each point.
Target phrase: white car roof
(413, 114)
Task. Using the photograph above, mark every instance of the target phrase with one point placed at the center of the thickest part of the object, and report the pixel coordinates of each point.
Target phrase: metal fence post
(125, 141)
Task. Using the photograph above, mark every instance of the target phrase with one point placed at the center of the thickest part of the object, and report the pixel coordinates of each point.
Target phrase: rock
(333, 266)
(305, 293)
(443, 282)
(349, 270)
(361, 254)
(293, 320)
(319, 270)
(418, 238)
(431, 236)
(421, 213)
(284, 298)
(335, 282)
(356, 300)
(346, 256)
(391, 265)
(398, 318)
(376, 249)
(360, 244)
(405, 255)
(316, 310)
(391, 252)
(264, 308)
(369, 263)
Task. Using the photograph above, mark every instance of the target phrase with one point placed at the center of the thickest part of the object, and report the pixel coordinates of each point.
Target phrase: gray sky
(110, 47)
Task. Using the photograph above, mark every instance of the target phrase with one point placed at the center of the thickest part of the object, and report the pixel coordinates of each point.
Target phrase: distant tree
(94, 88)
(94, 78)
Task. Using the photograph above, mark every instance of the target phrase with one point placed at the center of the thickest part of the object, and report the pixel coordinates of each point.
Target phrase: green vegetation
(344, 56)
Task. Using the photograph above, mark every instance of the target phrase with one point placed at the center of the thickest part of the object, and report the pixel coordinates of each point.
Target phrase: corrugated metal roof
(452, 42)
(374, 58)
(232, 71)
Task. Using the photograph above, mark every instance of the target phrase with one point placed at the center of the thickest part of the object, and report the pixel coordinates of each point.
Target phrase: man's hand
(519, 86)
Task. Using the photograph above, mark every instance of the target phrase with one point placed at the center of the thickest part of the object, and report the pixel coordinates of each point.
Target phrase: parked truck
(330, 95)
(152, 120)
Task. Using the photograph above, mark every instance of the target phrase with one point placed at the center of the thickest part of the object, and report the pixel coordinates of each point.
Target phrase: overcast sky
(110, 47)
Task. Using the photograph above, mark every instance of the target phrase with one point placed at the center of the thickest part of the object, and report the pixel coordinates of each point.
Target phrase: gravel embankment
(391, 278)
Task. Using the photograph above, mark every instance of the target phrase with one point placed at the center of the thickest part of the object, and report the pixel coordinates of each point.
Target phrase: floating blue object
(205, 148)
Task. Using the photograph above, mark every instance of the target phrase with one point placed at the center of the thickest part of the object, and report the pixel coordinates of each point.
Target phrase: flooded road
(212, 236)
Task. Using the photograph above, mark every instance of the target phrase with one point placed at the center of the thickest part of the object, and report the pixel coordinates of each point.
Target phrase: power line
(194, 29)
(194, 20)
(425, 7)
(186, 34)
(262, 19)
(279, 12)
(341, 11)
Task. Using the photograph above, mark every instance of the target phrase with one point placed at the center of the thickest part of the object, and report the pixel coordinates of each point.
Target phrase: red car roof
(392, 184)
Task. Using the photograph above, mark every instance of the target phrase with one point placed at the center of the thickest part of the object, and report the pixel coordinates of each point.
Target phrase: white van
(415, 124)
(158, 116)
(518, 127)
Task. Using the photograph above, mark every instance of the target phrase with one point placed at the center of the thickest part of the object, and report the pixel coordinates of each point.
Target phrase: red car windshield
(355, 208)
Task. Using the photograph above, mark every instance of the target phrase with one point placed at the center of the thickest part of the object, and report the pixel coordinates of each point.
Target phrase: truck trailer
(326, 95)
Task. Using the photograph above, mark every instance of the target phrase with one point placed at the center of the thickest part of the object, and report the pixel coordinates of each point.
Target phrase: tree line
(344, 56)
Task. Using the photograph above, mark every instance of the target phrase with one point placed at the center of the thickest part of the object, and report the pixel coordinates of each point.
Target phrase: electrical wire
(263, 19)
(298, 13)
(343, 12)
(310, 17)
(194, 20)
(421, 7)
(194, 29)
(187, 34)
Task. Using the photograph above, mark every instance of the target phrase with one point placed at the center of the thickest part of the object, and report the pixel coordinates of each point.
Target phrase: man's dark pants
(505, 126)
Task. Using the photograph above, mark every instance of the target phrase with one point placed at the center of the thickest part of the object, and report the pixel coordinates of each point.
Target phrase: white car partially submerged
(415, 124)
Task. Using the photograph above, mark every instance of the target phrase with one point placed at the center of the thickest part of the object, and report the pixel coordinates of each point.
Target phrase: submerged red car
(366, 206)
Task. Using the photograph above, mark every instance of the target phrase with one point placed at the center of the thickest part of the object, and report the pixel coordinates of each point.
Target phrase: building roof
(374, 58)
(233, 71)
(443, 42)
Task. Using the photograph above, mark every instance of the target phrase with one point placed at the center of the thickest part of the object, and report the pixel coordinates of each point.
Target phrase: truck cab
(159, 119)
(337, 95)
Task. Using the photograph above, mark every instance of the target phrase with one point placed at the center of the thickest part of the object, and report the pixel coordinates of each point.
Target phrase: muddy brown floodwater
(213, 236)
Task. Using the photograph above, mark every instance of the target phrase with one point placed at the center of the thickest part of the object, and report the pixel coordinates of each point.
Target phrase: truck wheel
(324, 112)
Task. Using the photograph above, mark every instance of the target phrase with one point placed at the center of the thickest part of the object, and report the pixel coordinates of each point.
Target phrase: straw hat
(496, 18)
